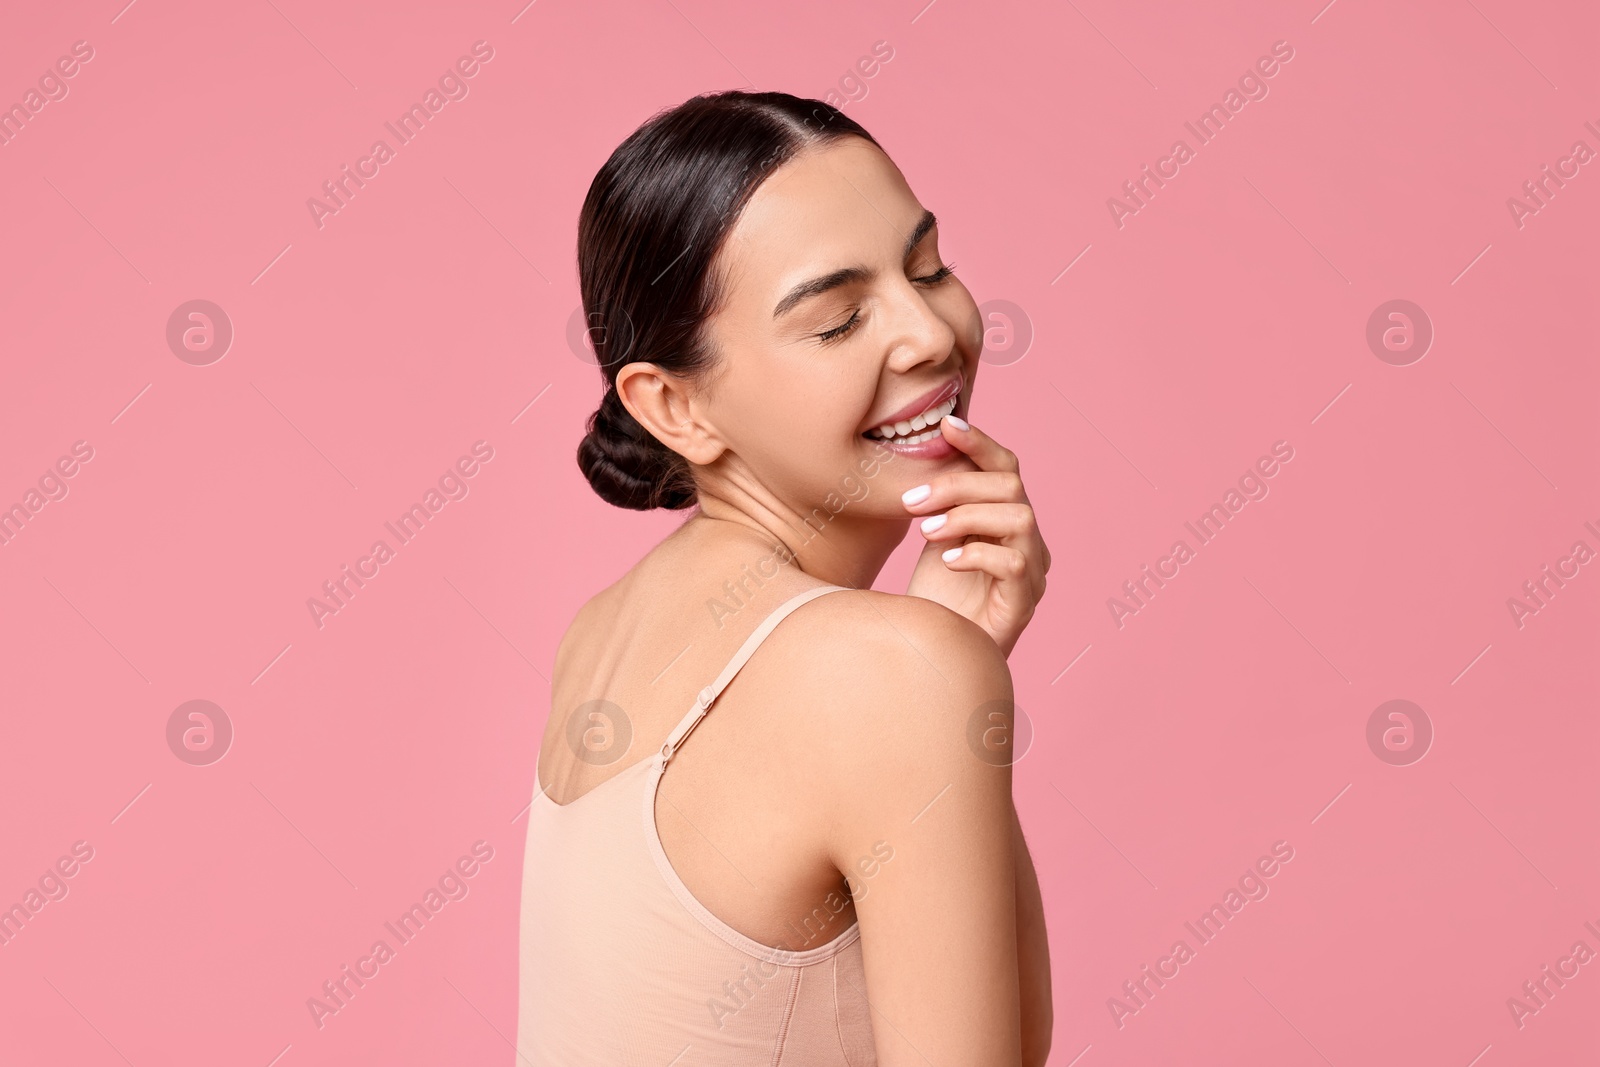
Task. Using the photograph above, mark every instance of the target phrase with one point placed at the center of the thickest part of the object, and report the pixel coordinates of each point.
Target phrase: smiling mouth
(921, 427)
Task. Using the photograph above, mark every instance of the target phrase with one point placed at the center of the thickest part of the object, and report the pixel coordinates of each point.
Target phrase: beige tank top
(622, 966)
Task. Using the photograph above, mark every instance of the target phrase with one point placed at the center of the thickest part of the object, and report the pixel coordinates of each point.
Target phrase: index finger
(985, 451)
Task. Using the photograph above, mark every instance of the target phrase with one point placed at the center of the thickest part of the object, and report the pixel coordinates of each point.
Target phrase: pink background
(431, 311)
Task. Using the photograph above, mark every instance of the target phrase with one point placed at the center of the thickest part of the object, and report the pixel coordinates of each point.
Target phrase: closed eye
(848, 327)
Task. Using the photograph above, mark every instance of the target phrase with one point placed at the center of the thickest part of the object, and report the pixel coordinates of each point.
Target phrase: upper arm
(903, 777)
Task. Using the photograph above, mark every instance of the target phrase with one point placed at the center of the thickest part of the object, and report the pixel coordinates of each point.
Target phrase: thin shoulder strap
(709, 694)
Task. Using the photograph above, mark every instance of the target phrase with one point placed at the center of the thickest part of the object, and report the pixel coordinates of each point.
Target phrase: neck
(841, 548)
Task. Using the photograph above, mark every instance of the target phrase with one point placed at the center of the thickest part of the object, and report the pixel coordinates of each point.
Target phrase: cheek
(961, 313)
(808, 407)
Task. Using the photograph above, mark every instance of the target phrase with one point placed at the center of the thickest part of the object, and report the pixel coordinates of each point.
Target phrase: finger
(1015, 593)
(984, 450)
(1006, 523)
(968, 487)
(1001, 562)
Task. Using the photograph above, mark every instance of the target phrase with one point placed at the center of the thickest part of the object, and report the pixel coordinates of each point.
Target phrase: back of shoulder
(882, 644)
(583, 622)
(892, 692)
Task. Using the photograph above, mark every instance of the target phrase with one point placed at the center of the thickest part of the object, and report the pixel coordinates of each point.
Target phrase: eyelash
(855, 317)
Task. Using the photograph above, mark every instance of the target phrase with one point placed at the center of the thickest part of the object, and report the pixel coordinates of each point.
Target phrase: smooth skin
(848, 730)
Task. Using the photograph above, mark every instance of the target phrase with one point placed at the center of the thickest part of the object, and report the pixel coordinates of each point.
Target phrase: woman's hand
(998, 576)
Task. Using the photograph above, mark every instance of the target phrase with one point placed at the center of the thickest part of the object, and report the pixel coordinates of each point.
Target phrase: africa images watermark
(1252, 85)
(1252, 886)
(52, 485)
(852, 85)
(452, 485)
(452, 885)
(1537, 994)
(452, 85)
(52, 88)
(853, 489)
(1538, 592)
(52, 885)
(1252, 486)
(738, 993)
(1539, 192)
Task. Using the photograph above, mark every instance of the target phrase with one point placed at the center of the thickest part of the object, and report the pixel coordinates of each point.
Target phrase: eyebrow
(845, 275)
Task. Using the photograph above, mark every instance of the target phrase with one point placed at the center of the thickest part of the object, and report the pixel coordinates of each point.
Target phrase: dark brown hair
(655, 216)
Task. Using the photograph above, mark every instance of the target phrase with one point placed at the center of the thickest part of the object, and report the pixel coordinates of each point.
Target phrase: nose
(919, 334)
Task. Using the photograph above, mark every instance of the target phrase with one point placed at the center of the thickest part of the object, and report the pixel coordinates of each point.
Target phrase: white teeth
(899, 430)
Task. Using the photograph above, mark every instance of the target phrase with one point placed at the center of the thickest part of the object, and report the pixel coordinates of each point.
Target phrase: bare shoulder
(881, 641)
(889, 691)
(589, 613)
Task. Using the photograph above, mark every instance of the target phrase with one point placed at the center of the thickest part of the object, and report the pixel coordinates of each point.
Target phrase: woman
(833, 872)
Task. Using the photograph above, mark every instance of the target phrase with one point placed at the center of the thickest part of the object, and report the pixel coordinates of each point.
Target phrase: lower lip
(934, 448)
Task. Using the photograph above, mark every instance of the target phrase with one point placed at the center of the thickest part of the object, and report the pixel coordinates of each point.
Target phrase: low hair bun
(628, 467)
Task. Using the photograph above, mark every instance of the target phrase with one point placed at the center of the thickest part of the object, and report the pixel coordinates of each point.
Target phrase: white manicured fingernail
(950, 555)
(917, 495)
(933, 522)
(958, 422)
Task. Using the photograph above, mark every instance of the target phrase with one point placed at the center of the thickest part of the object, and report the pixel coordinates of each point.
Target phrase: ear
(663, 404)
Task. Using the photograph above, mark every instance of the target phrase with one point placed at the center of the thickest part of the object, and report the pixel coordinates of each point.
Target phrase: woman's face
(837, 320)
